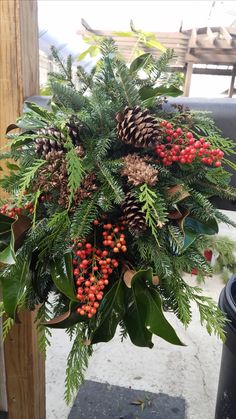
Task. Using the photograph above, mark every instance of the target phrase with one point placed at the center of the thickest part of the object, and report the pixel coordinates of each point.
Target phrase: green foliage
(154, 208)
(84, 215)
(6, 327)
(110, 314)
(44, 333)
(77, 363)
(75, 172)
(28, 176)
(62, 195)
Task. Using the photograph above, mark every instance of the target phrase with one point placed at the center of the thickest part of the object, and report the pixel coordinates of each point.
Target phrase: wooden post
(19, 79)
(188, 77)
(231, 89)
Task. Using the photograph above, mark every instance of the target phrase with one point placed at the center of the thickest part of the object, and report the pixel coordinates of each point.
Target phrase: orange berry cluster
(184, 148)
(93, 267)
(12, 211)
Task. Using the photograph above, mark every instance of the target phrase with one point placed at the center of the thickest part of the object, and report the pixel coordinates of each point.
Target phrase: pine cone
(87, 188)
(138, 128)
(138, 171)
(134, 215)
(74, 127)
(45, 145)
(54, 176)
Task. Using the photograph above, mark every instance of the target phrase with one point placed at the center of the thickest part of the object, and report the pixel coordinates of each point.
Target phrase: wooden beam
(25, 371)
(188, 77)
(19, 57)
(3, 393)
(231, 89)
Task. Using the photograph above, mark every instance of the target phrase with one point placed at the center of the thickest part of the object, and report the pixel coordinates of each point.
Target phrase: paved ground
(188, 373)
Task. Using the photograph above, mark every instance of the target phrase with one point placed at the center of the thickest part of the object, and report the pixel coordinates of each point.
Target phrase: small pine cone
(49, 140)
(138, 128)
(138, 171)
(134, 215)
(74, 127)
(87, 188)
(80, 151)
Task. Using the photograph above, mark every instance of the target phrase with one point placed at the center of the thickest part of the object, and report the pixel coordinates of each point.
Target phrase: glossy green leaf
(7, 256)
(136, 314)
(193, 228)
(152, 92)
(110, 313)
(156, 321)
(13, 286)
(139, 62)
(62, 276)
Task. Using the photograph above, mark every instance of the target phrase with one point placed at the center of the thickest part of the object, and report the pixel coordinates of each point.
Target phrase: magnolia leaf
(62, 276)
(11, 127)
(184, 215)
(175, 215)
(139, 62)
(193, 228)
(151, 92)
(110, 313)
(179, 191)
(67, 319)
(149, 305)
(13, 287)
(7, 256)
(137, 311)
(19, 229)
(156, 321)
(128, 275)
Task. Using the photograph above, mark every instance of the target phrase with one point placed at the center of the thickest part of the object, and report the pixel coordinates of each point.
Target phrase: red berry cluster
(184, 148)
(93, 266)
(12, 211)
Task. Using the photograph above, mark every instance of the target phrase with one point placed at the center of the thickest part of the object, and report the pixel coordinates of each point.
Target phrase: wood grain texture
(19, 79)
(25, 371)
(3, 393)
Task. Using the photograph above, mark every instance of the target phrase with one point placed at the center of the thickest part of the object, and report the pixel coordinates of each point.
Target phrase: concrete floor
(191, 371)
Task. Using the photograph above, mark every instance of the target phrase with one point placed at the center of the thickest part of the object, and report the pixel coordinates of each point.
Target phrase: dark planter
(226, 397)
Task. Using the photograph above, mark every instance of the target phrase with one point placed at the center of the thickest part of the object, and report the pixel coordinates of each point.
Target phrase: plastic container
(226, 396)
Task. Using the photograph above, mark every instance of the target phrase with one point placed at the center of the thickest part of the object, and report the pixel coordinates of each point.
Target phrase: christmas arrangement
(110, 198)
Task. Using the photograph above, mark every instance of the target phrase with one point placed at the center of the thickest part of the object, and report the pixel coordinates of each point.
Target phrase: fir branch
(84, 215)
(175, 238)
(129, 90)
(111, 185)
(68, 97)
(77, 363)
(75, 172)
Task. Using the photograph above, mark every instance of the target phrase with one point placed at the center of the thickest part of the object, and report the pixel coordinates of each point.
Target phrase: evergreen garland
(68, 241)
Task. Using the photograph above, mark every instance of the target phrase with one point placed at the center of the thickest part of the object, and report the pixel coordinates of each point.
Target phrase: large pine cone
(134, 215)
(50, 140)
(138, 128)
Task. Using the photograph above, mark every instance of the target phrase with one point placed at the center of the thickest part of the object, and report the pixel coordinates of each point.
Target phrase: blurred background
(60, 25)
